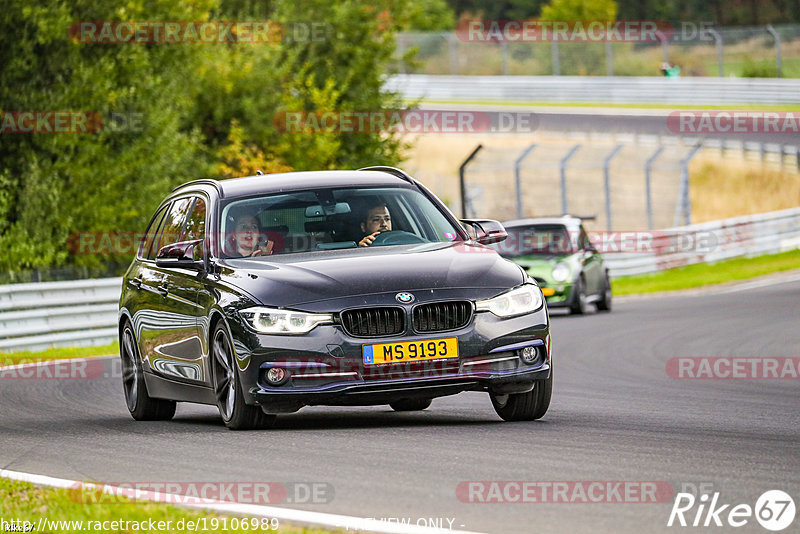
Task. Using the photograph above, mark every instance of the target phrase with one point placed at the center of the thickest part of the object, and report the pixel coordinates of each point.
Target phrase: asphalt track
(616, 416)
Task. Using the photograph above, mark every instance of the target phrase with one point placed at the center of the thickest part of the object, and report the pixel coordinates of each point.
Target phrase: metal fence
(697, 49)
(42, 315)
(625, 182)
(598, 89)
(624, 186)
(751, 235)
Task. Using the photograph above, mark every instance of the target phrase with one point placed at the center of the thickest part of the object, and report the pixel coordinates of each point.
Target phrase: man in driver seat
(376, 220)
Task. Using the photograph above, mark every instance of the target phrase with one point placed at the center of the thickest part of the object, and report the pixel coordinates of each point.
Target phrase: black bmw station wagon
(264, 294)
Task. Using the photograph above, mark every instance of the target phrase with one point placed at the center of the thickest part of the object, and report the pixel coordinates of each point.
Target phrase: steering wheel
(397, 237)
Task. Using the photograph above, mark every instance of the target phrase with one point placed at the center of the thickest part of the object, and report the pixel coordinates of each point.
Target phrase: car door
(592, 264)
(178, 351)
(146, 281)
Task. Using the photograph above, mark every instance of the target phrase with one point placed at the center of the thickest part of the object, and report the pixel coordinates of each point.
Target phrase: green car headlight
(560, 272)
(524, 299)
(275, 321)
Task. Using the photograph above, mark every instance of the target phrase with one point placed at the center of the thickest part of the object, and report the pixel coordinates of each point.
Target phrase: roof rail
(394, 171)
(203, 181)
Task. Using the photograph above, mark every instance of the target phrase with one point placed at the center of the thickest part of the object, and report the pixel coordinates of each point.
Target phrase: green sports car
(558, 254)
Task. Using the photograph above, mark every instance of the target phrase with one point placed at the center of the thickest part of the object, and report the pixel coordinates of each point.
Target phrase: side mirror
(180, 255)
(485, 231)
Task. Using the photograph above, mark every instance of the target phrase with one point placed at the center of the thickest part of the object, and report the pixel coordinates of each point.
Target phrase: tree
(580, 10)
(200, 110)
(59, 184)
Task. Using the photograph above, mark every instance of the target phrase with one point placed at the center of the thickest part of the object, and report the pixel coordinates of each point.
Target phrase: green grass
(58, 353)
(707, 274)
(676, 107)
(26, 502)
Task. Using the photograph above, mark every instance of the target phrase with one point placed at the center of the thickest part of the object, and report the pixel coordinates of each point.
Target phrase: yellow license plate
(410, 351)
(548, 291)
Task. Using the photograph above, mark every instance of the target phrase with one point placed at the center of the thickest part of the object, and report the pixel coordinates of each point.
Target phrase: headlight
(274, 321)
(523, 299)
(560, 272)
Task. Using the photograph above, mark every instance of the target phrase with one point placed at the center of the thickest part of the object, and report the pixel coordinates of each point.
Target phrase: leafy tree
(580, 10)
(200, 110)
(56, 185)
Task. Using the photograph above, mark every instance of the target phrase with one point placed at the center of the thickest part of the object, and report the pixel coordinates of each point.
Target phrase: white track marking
(250, 510)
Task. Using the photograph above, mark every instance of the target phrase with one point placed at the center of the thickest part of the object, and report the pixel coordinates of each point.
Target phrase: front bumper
(557, 294)
(326, 366)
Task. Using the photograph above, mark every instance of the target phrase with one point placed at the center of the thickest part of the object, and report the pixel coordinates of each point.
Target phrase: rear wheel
(525, 406)
(410, 405)
(604, 304)
(578, 305)
(140, 404)
(236, 414)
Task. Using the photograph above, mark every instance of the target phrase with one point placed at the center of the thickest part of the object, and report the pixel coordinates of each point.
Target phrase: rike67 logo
(774, 510)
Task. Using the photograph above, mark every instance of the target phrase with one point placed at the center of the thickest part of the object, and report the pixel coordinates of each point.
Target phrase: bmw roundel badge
(405, 298)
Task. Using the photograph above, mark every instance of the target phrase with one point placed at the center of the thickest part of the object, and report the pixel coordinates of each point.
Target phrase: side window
(196, 226)
(172, 229)
(196, 222)
(152, 232)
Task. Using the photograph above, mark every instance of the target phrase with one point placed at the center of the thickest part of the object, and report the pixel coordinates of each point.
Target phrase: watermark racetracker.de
(69, 122)
(199, 492)
(404, 121)
(517, 242)
(564, 492)
(733, 368)
(202, 32)
(733, 122)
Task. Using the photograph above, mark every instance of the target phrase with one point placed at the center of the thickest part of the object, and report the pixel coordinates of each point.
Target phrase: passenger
(248, 239)
(376, 220)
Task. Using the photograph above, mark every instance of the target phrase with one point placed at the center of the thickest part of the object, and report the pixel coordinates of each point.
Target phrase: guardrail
(605, 89)
(708, 242)
(41, 315)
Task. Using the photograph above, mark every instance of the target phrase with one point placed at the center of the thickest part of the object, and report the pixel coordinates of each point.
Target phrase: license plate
(410, 351)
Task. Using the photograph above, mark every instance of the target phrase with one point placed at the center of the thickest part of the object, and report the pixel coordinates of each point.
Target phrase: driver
(377, 220)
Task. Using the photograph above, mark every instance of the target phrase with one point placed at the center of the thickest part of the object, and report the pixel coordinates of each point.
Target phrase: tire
(235, 413)
(410, 405)
(578, 306)
(604, 304)
(141, 406)
(525, 406)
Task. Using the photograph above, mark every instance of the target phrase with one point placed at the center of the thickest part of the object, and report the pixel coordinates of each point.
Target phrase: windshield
(535, 239)
(325, 219)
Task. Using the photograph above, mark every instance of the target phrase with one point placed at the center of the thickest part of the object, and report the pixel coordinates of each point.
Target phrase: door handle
(164, 290)
(136, 282)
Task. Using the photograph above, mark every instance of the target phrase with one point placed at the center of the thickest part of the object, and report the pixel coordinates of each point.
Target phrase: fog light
(276, 376)
(529, 354)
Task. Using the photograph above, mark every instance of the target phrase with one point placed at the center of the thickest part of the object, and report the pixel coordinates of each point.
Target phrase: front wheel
(578, 306)
(236, 414)
(604, 304)
(410, 405)
(525, 406)
(140, 404)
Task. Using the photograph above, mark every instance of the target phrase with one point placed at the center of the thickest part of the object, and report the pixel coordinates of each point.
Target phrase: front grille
(373, 322)
(440, 316)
